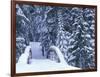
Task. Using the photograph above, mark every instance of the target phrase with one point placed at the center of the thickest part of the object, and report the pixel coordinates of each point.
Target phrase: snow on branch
(20, 12)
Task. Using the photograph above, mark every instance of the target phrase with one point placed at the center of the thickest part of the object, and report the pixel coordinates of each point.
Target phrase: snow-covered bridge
(38, 63)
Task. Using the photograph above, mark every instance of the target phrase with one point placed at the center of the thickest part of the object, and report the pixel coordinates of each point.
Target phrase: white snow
(92, 41)
(71, 58)
(20, 12)
(60, 55)
(65, 42)
(41, 64)
(72, 39)
(92, 27)
(23, 22)
(75, 8)
(79, 26)
(90, 48)
(93, 21)
(88, 15)
(87, 35)
(19, 39)
(86, 28)
(24, 57)
(71, 46)
(85, 23)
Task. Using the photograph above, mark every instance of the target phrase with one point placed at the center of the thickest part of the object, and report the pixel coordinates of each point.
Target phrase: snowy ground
(38, 62)
(41, 65)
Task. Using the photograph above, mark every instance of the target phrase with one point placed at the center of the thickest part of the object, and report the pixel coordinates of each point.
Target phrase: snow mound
(23, 59)
(60, 55)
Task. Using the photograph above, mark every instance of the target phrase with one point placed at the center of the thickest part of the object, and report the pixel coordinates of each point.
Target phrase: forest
(71, 29)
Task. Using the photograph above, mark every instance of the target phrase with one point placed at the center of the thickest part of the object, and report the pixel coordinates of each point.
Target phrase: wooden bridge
(38, 63)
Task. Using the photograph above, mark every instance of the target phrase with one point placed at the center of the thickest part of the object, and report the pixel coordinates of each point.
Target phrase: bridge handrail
(59, 53)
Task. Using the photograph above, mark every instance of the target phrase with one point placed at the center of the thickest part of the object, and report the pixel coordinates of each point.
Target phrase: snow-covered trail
(36, 50)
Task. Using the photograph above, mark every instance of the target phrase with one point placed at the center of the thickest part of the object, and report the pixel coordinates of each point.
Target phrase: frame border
(13, 38)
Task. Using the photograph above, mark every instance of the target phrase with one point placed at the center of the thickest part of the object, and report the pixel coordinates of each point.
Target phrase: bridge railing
(58, 52)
